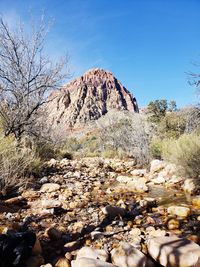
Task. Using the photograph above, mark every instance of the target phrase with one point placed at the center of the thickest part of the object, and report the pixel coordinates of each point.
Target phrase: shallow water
(167, 197)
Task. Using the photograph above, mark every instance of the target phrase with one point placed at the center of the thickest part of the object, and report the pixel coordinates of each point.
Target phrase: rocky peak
(88, 97)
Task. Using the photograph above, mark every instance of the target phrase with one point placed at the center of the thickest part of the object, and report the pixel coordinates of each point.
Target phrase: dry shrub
(184, 152)
(15, 163)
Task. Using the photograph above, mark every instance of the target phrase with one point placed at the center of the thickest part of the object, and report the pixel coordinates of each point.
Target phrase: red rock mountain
(89, 97)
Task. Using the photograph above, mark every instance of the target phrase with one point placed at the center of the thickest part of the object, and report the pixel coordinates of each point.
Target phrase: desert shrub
(15, 163)
(156, 148)
(46, 151)
(128, 133)
(172, 125)
(184, 152)
(109, 153)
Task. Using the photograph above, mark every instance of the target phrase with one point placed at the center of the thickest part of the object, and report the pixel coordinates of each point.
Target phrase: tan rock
(63, 262)
(174, 252)
(49, 187)
(156, 165)
(189, 186)
(89, 252)
(196, 201)
(88, 262)
(173, 224)
(50, 203)
(179, 211)
(128, 256)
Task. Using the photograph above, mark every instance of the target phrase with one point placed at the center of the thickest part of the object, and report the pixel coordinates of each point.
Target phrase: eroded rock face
(87, 98)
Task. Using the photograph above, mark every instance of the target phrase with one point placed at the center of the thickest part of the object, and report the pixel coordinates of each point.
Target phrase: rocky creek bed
(103, 212)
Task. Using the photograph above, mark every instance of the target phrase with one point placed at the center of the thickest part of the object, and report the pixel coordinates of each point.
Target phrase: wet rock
(49, 187)
(88, 252)
(174, 252)
(88, 262)
(179, 211)
(128, 256)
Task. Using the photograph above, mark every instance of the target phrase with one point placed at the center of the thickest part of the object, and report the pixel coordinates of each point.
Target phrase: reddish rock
(87, 98)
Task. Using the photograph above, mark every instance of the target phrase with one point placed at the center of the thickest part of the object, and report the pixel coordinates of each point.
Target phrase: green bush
(184, 152)
(156, 148)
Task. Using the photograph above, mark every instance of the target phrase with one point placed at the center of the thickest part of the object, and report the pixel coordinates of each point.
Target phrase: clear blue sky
(149, 45)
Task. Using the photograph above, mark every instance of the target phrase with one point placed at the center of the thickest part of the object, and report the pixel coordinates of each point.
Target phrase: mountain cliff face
(87, 98)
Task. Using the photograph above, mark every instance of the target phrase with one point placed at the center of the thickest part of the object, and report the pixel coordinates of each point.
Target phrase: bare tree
(26, 76)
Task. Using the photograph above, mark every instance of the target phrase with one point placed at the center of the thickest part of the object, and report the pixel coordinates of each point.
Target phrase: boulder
(128, 256)
(49, 187)
(178, 211)
(88, 262)
(156, 165)
(174, 252)
(189, 186)
(123, 179)
(88, 252)
(138, 185)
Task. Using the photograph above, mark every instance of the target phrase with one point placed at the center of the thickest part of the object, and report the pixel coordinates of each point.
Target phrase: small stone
(173, 224)
(109, 228)
(62, 262)
(113, 211)
(139, 172)
(53, 234)
(49, 187)
(196, 201)
(44, 180)
(50, 203)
